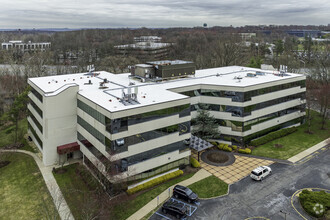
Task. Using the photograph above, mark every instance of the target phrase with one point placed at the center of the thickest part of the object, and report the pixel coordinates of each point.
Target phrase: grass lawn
(23, 192)
(7, 135)
(77, 193)
(78, 190)
(209, 187)
(295, 142)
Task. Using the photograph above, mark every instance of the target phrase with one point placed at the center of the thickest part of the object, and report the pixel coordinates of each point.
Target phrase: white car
(120, 141)
(260, 173)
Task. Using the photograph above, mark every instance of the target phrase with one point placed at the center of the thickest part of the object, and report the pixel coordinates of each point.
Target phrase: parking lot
(268, 199)
(191, 209)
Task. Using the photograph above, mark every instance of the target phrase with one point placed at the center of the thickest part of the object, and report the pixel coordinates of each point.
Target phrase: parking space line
(257, 217)
(163, 216)
(186, 204)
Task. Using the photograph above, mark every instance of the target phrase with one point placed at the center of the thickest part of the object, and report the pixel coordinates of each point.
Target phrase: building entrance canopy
(68, 148)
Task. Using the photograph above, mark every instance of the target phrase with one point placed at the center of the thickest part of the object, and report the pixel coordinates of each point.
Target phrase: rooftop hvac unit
(90, 68)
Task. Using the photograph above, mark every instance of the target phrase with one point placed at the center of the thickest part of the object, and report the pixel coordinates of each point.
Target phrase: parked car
(260, 173)
(120, 141)
(174, 208)
(184, 193)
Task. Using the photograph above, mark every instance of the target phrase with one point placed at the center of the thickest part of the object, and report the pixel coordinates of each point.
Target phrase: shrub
(214, 143)
(225, 147)
(273, 135)
(308, 199)
(194, 162)
(234, 147)
(245, 151)
(154, 182)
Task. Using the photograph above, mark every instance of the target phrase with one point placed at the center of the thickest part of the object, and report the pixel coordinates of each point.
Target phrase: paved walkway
(241, 168)
(54, 190)
(309, 151)
(201, 174)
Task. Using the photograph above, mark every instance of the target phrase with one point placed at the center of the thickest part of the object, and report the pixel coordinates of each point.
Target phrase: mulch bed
(13, 146)
(4, 163)
(217, 157)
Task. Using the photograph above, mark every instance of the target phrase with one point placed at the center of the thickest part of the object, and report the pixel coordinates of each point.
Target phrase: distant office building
(145, 48)
(304, 33)
(247, 36)
(155, 39)
(24, 47)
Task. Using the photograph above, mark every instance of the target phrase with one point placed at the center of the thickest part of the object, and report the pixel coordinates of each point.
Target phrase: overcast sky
(159, 13)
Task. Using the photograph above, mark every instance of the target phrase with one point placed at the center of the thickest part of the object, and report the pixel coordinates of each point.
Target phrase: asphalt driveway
(249, 199)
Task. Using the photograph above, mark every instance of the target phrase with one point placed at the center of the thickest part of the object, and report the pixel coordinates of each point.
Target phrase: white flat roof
(151, 92)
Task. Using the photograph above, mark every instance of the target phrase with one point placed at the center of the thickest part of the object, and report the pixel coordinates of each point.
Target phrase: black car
(174, 208)
(184, 193)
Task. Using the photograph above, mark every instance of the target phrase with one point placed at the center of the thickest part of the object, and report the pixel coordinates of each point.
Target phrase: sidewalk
(309, 151)
(54, 190)
(201, 174)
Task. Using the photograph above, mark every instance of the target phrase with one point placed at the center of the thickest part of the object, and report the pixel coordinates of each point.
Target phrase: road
(249, 199)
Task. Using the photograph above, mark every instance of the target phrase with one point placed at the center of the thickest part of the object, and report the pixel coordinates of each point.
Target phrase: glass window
(36, 122)
(89, 128)
(91, 111)
(122, 144)
(35, 135)
(38, 110)
(36, 94)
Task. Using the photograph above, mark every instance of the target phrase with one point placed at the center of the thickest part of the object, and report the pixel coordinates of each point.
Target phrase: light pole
(285, 213)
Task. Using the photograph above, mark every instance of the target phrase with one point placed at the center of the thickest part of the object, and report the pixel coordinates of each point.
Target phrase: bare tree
(321, 74)
(229, 51)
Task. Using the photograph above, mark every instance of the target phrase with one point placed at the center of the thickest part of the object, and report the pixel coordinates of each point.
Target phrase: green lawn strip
(76, 191)
(295, 142)
(23, 192)
(123, 211)
(209, 187)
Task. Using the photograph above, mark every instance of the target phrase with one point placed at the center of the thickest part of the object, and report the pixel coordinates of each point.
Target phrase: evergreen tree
(18, 110)
(205, 125)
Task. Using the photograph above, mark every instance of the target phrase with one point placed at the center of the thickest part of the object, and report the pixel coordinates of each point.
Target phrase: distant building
(247, 36)
(145, 48)
(305, 33)
(24, 47)
(155, 39)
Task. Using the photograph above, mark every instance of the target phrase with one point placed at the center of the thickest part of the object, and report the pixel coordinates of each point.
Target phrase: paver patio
(241, 168)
